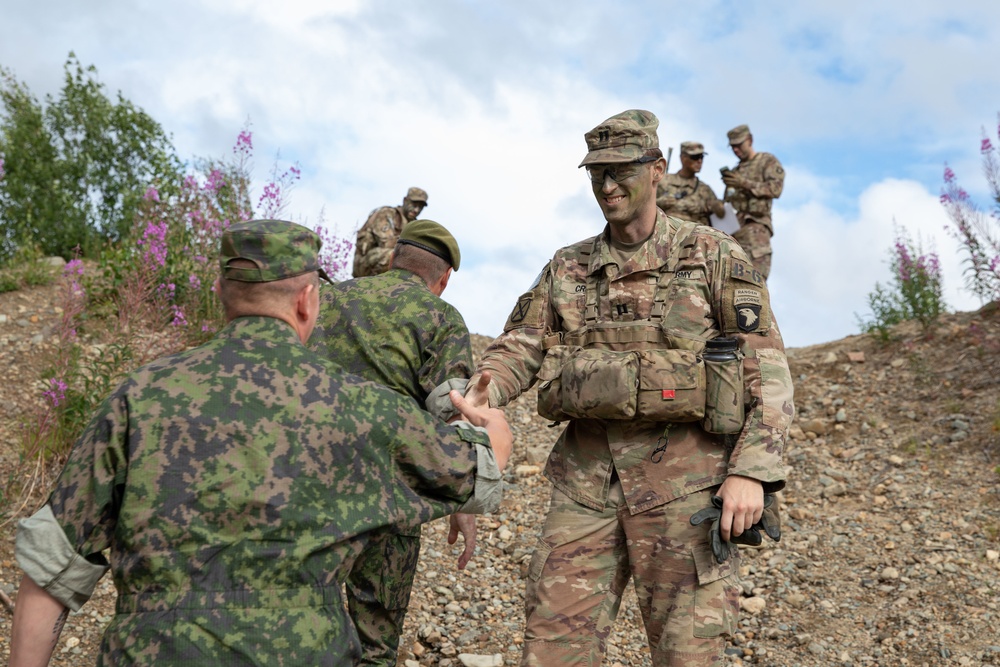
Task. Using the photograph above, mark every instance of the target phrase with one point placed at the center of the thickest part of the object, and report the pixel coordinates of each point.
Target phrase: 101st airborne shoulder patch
(744, 299)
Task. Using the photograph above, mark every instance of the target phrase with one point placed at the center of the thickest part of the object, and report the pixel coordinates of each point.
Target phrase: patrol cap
(624, 137)
(432, 237)
(693, 148)
(738, 135)
(278, 250)
(416, 194)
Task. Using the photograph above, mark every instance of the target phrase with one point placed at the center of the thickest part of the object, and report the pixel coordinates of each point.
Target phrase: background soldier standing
(615, 332)
(683, 195)
(394, 329)
(378, 235)
(750, 187)
(234, 484)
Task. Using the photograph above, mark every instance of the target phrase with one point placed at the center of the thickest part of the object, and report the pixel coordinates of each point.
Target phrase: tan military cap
(416, 194)
(693, 148)
(738, 135)
(622, 138)
(432, 237)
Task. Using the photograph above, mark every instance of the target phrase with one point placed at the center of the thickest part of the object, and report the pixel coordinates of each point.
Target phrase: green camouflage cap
(417, 194)
(693, 148)
(277, 248)
(432, 237)
(622, 138)
(738, 135)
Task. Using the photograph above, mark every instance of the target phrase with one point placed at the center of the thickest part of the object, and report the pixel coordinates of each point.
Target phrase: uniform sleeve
(438, 466)
(84, 505)
(448, 355)
(744, 311)
(377, 240)
(515, 356)
(772, 180)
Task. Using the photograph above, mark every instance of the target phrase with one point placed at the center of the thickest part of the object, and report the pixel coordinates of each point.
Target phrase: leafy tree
(76, 168)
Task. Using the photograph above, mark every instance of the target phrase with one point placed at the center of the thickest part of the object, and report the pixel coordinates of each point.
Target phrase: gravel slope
(891, 517)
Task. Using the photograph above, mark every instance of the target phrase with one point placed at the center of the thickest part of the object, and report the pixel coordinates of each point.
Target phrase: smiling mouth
(614, 200)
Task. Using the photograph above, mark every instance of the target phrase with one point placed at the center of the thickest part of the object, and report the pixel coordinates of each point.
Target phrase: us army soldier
(394, 329)
(751, 186)
(377, 237)
(613, 332)
(683, 195)
(235, 483)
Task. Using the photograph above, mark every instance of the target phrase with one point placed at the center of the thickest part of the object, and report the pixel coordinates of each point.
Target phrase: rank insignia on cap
(747, 303)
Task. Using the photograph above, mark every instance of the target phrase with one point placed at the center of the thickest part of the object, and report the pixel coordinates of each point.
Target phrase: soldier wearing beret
(235, 483)
(654, 344)
(395, 329)
(683, 195)
(377, 237)
(751, 186)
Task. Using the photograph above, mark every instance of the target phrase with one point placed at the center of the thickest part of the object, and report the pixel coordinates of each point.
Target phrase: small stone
(525, 470)
(474, 660)
(72, 642)
(753, 605)
(896, 363)
(841, 416)
(830, 358)
(888, 574)
(504, 534)
(856, 357)
(992, 556)
(411, 663)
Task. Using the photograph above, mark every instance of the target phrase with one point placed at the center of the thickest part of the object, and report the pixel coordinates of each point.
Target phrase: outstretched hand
(493, 420)
(478, 393)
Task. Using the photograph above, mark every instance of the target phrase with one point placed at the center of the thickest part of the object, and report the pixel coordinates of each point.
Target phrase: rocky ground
(890, 553)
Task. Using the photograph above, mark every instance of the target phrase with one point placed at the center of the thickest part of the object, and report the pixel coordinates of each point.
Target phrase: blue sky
(485, 105)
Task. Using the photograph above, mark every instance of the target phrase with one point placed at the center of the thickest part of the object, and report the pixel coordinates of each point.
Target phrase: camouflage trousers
(583, 562)
(755, 239)
(378, 592)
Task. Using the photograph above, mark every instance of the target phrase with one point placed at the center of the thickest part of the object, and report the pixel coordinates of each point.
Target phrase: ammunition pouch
(645, 385)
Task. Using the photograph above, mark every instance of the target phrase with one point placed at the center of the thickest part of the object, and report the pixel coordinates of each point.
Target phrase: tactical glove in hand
(720, 548)
(769, 522)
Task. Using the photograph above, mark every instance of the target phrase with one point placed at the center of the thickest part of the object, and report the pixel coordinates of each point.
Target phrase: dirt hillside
(890, 553)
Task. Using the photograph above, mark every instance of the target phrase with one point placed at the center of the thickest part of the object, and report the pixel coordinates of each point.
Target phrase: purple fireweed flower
(74, 267)
(179, 319)
(244, 143)
(949, 175)
(57, 392)
(194, 282)
(986, 146)
(216, 180)
(154, 238)
(152, 194)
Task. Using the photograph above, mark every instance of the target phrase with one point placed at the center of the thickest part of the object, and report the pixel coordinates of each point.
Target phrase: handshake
(769, 522)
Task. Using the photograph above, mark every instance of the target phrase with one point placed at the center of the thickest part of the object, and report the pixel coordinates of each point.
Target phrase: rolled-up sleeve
(45, 555)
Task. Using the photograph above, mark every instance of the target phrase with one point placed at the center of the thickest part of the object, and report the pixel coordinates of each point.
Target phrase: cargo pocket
(535, 567)
(775, 389)
(400, 554)
(717, 598)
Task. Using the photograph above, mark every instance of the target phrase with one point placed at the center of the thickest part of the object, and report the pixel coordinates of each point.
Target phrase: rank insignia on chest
(747, 303)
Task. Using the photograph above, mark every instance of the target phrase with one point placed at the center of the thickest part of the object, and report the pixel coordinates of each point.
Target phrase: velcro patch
(744, 271)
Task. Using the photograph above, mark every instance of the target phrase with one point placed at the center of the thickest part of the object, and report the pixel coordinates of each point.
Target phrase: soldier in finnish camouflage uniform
(683, 195)
(750, 187)
(614, 331)
(377, 237)
(395, 329)
(235, 483)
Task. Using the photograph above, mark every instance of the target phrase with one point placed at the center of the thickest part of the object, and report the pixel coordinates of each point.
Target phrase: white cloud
(825, 265)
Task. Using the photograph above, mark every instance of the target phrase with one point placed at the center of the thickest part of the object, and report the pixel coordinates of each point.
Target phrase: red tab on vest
(668, 394)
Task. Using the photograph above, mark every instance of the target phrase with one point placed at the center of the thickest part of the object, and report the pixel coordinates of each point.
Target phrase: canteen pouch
(724, 410)
(649, 385)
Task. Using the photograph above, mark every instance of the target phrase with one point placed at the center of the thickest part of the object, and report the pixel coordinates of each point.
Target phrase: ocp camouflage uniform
(376, 239)
(234, 485)
(687, 199)
(393, 330)
(765, 179)
(625, 488)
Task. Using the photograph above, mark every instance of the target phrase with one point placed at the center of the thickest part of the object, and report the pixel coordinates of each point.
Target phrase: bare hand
(493, 420)
(478, 393)
(742, 505)
(465, 524)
